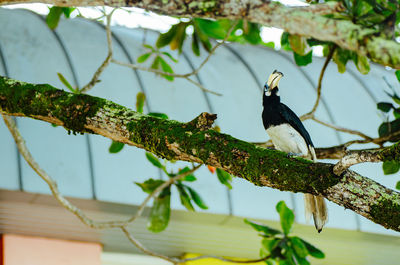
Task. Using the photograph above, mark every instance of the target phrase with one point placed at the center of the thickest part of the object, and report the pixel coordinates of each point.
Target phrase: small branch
(187, 75)
(226, 259)
(204, 121)
(160, 72)
(310, 114)
(356, 157)
(167, 183)
(228, 34)
(142, 248)
(106, 62)
(342, 129)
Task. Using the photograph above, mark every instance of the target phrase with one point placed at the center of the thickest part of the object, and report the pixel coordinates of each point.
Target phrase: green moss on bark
(387, 213)
(391, 153)
(47, 101)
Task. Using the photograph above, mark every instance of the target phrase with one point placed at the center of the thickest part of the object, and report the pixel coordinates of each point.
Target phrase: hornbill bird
(289, 135)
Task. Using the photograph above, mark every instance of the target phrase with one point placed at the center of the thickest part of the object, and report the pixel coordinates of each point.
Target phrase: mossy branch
(193, 141)
(305, 21)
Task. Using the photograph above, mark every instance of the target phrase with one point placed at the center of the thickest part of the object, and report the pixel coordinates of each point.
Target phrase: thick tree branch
(296, 20)
(191, 142)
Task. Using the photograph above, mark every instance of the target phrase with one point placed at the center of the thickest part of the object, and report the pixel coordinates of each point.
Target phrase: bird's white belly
(285, 138)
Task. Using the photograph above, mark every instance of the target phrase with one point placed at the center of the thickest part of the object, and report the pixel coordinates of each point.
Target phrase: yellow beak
(274, 79)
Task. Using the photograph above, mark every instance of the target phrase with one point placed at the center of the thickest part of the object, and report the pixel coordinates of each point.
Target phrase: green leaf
(53, 17)
(160, 212)
(384, 106)
(340, 57)
(299, 247)
(115, 147)
(155, 63)
(190, 177)
(142, 58)
(266, 230)
(195, 44)
(154, 160)
(170, 56)
(184, 196)
(396, 99)
(150, 185)
(270, 244)
(166, 68)
(253, 33)
(269, 44)
(285, 41)
(387, 128)
(300, 260)
(66, 83)
(158, 115)
(313, 251)
(398, 75)
(299, 44)
(398, 185)
(213, 29)
(264, 253)
(303, 60)
(390, 167)
(67, 11)
(287, 216)
(396, 113)
(196, 198)
(205, 41)
(140, 99)
(166, 38)
(149, 47)
(362, 64)
(224, 177)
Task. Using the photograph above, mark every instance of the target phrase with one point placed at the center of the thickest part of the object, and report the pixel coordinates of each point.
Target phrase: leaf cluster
(160, 60)
(390, 126)
(203, 30)
(278, 247)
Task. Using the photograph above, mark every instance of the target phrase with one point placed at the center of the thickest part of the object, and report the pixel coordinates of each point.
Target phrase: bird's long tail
(315, 205)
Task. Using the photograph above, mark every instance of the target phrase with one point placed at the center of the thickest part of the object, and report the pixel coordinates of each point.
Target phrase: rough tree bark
(194, 141)
(295, 20)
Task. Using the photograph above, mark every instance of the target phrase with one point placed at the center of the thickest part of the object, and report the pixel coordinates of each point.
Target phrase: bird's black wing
(290, 117)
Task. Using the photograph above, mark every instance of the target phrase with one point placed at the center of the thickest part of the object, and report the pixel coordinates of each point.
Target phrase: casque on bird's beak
(274, 79)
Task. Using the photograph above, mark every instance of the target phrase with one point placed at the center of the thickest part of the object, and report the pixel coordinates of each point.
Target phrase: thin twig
(226, 259)
(356, 157)
(167, 183)
(106, 62)
(187, 75)
(142, 248)
(310, 114)
(228, 34)
(160, 72)
(341, 129)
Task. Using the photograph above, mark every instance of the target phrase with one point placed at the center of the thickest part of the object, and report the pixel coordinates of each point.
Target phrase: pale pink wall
(26, 250)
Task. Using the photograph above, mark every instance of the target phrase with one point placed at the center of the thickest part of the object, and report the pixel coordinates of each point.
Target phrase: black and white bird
(289, 135)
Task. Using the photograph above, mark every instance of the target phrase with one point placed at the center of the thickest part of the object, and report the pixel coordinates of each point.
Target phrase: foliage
(391, 111)
(159, 60)
(55, 13)
(160, 212)
(280, 248)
